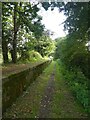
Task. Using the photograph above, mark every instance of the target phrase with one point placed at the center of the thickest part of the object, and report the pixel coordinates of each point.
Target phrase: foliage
(73, 51)
(52, 5)
(30, 56)
(73, 54)
(74, 58)
(15, 18)
(23, 31)
(78, 84)
(45, 46)
(77, 19)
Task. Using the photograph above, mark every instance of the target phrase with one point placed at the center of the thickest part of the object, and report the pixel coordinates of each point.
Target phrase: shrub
(31, 56)
(78, 84)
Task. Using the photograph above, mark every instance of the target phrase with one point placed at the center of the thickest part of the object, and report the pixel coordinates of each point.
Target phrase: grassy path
(47, 97)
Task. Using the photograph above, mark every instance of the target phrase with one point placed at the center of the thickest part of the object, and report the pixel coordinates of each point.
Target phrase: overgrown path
(47, 97)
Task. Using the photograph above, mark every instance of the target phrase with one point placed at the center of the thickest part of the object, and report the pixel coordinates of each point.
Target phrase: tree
(44, 45)
(6, 26)
(14, 55)
(77, 18)
(23, 15)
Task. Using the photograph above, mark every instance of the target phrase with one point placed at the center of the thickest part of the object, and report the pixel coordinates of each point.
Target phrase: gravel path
(47, 97)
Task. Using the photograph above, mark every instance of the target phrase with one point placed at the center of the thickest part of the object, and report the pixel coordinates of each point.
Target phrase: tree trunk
(4, 50)
(14, 58)
(3, 41)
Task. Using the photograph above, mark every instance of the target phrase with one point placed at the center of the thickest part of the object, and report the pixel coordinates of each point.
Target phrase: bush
(31, 56)
(34, 56)
(78, 84)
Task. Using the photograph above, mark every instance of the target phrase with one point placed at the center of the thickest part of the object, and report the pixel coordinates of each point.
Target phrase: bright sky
(52, 21)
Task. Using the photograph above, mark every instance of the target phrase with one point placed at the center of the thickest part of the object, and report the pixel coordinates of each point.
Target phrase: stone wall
(14, 85)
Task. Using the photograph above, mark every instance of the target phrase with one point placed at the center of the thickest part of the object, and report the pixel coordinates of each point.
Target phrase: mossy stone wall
(14, 85)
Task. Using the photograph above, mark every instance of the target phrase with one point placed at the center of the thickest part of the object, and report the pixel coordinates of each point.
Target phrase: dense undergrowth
(78, 84)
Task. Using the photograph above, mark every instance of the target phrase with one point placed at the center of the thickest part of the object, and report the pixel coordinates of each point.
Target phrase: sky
(52, 21)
